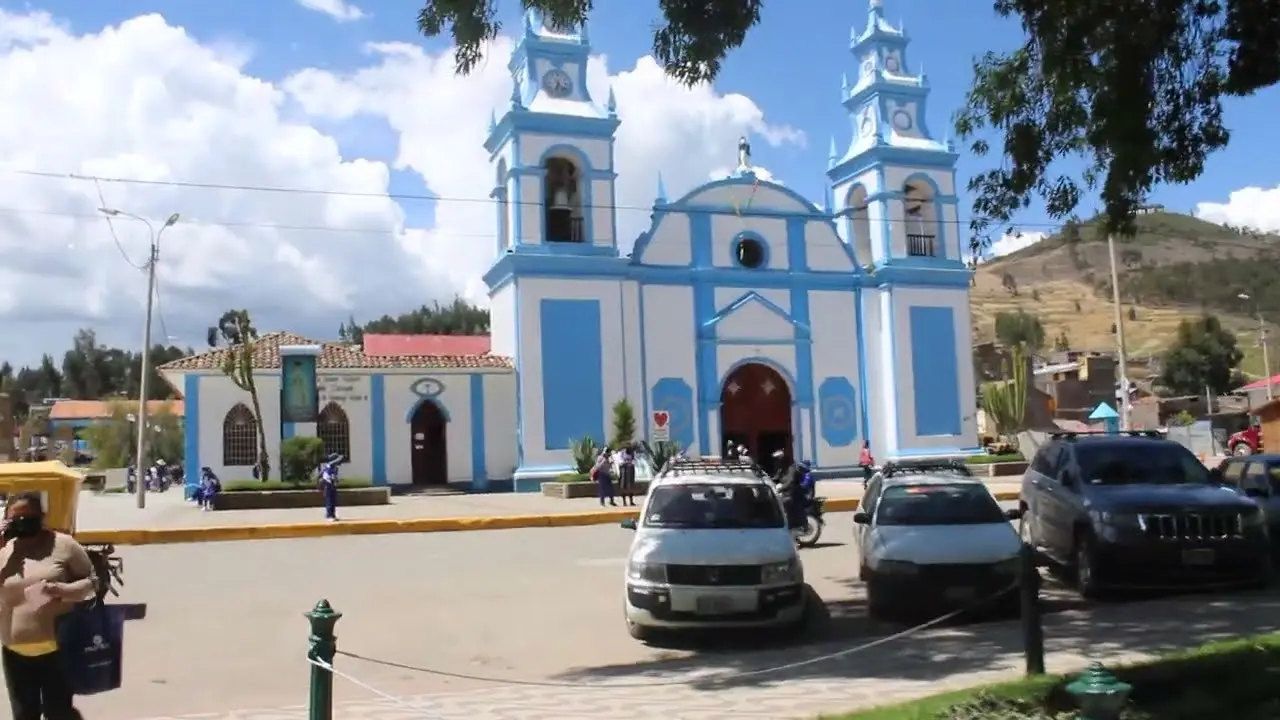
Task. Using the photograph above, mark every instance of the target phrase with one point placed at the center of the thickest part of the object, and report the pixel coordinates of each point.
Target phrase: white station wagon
(712, 549)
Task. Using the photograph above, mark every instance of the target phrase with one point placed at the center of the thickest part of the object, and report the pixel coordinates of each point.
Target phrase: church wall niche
(859, 224)
(562, 198)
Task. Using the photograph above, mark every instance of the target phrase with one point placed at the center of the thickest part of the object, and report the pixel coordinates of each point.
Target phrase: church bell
(560, 201)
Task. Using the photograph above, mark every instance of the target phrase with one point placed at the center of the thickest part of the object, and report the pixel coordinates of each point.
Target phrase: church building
(745, 313)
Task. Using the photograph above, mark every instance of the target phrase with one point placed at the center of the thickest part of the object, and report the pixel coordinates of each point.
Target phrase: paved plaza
(224, 635)
(169, 510)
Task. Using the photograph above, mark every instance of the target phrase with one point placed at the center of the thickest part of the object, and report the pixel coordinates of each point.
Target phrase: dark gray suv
(1138, 510)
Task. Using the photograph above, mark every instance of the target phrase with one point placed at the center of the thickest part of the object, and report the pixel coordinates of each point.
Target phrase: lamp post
(152, 257)
(1099, 695)
(1262, 340)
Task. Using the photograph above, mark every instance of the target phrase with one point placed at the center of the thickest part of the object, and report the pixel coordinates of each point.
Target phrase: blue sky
(790, 66)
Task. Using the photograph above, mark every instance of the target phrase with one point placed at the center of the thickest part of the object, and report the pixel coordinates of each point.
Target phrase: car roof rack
(1071, 435)
(703, 466)
(925, 465)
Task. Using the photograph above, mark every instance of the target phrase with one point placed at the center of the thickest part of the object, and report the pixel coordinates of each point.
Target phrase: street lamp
(152, 258)
(1262, 340)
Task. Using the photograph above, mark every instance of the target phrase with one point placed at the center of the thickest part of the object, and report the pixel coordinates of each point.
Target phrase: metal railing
(921, 245)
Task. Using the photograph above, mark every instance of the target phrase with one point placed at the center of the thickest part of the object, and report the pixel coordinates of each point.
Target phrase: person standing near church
(627, 474)
(602, 474)
(329, 485)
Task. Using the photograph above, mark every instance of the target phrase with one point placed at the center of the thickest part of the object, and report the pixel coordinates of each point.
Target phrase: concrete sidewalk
(168, 518)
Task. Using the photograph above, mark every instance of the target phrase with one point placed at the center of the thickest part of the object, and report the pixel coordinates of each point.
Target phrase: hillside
(1175, 267)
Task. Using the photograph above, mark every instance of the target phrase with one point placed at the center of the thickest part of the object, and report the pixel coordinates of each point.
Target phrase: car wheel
(639, 632)
(1084, 567)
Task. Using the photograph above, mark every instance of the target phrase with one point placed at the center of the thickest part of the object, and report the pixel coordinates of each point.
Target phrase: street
(224, 631)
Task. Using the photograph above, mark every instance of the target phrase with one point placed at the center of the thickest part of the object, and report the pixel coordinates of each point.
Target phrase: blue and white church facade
(746, 312)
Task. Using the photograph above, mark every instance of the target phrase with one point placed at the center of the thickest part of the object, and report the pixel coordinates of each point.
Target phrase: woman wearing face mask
(42, 574)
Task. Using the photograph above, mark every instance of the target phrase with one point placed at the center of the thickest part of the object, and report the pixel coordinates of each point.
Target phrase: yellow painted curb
(168, 536)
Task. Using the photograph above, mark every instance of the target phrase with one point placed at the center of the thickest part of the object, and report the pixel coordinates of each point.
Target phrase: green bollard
(324, 646)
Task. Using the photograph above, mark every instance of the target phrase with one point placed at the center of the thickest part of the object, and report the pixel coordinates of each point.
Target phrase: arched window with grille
(334, 430)
(239, 437)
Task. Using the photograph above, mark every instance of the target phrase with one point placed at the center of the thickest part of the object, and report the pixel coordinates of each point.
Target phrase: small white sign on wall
(661, 429)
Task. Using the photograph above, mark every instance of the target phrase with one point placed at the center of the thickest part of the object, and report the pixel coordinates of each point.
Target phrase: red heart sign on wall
(661, 418)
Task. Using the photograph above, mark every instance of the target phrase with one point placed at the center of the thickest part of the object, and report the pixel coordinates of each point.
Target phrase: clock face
(891, 63)
(902, 120)
(557, 83)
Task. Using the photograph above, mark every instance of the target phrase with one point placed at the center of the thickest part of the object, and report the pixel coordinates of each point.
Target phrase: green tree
(691, 41)
(624, 424)
(300, 457)
(457, 318)
(1134, 88)
(112, 439)
(1020, 328)
(1203, 355)
(236, 329)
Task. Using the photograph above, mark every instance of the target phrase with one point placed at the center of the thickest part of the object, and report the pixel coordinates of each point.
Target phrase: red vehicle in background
(1247, 441)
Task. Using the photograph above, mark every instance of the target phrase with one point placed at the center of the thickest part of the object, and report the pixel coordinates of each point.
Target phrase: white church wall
(870, 181)
(632, 346)
(540, 450)
(218, 394)
(534, 145)
(602, 209)
(500, 442)
(824, 249)
(669, 351)
(747, 196)
(502, 321)
(836, 377)
(451, 390)
(669, 243)
(914, 362)
(349, 389)
(753, 320)
(779, 297)
(881, 389)
(726, 228)
(530, 210)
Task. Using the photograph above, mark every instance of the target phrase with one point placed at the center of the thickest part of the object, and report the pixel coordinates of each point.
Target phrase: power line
(102, 203)
(231, 224)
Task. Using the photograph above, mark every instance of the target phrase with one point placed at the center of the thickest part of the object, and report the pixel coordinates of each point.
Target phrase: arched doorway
(755, 411)
(428, 448)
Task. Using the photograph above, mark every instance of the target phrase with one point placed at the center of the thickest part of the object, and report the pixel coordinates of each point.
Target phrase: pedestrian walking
(627, 474)
(329, 485)
(602, 473)
(43, 574)
(867, 463)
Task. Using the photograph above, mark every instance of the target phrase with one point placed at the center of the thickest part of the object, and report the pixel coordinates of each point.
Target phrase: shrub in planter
(624, 425)
(299, 458)
(584, 454)
(990, 707)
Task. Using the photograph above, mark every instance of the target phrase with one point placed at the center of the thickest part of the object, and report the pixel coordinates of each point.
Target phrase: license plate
(1197, 557)
(714, 605)
(960, 593)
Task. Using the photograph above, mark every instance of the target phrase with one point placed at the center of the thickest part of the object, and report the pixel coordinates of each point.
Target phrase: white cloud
(1251, 207)
(1012, 242)
(443, 119)
(336, 9)
(145, 100)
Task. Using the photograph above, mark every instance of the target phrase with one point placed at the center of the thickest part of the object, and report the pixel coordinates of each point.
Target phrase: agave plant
(661, 453)
(585, 450)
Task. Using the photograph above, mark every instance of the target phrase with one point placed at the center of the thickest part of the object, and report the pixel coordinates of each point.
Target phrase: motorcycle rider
(795, 484)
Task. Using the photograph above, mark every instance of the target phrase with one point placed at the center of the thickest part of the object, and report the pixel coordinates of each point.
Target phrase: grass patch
(1234, 679)
(991, 459)
(280, 485)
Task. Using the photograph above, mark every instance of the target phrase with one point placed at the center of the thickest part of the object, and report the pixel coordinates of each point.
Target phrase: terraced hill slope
(1176, 267)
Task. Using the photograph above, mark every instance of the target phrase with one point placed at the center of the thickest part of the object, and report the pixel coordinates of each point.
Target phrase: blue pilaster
(479, 473)
(378, 427)
(190, 433)
(707, 390)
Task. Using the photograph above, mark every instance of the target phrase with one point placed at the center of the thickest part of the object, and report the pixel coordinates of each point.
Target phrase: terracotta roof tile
(334, 356)
(378, 344)
(97, 409)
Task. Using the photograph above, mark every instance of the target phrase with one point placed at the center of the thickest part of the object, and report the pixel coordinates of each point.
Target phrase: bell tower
(552, 150)
(894, 184)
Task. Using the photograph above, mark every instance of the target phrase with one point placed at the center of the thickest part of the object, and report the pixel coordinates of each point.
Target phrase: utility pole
(153, 256)
(1123, 365)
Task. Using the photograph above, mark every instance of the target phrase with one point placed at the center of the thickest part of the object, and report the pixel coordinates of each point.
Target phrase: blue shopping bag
(91, 645)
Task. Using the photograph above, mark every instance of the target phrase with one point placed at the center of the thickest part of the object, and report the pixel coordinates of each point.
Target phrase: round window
(749, 253)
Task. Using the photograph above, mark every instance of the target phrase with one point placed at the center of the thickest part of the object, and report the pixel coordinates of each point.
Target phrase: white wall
(218, 394)
(532, 292)
(502, 320)
(725, 228)
(669, 242)
(399, 399)
(881, 390)
(958, 301)
(824, 249)
(499, 425)
(669, 341)
(350, 390)
(834, 320)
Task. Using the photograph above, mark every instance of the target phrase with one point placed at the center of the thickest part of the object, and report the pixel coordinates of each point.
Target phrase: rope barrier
(654, 684)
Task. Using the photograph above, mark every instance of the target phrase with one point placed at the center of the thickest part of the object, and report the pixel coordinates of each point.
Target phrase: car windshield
(1128, 463)
(701, 506)
(960, 504)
